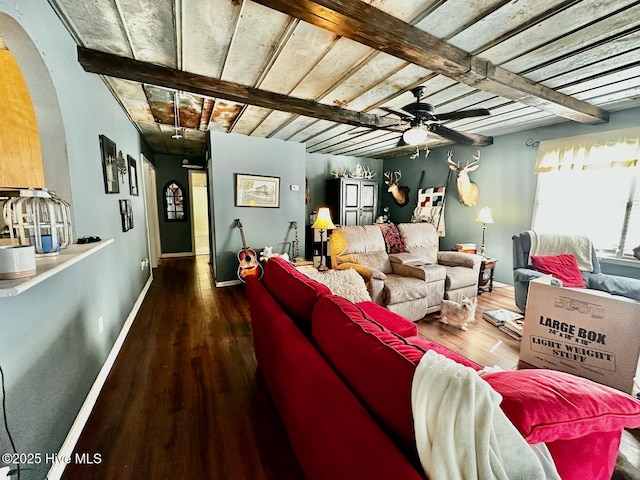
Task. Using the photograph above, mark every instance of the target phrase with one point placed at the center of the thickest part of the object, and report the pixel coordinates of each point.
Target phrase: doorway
(200, 212)
(151, 208)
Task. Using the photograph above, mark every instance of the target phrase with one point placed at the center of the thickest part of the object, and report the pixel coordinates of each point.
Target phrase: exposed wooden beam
(126, 68)
(370, 26)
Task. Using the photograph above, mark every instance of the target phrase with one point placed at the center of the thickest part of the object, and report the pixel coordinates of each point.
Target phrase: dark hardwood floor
(184, 399)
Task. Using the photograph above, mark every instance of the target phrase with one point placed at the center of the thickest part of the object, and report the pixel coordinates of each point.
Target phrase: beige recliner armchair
(410, 284)
(462, 269)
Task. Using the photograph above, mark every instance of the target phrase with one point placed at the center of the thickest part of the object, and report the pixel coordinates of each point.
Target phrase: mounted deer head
(467, 190)
(400, 194)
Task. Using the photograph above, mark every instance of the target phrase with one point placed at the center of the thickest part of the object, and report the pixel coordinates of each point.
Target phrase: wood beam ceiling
(368, 25)
(111, 65)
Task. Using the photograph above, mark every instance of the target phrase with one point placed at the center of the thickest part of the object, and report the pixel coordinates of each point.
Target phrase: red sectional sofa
(340, 375)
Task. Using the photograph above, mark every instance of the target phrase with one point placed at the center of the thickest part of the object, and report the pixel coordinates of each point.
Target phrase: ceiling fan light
(415, 135)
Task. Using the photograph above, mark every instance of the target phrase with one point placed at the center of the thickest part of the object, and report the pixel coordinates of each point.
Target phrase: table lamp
(484, 217)
(323, 222)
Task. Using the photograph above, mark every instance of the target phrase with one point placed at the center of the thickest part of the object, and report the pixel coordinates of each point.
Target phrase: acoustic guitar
(249, 265)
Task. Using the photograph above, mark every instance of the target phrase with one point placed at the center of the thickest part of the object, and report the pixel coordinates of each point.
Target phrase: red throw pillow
(547, 405)
(564, 267)
(392, 238)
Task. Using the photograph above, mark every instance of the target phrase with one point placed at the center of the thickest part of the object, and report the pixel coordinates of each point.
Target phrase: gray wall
(51, 349)
(507, 185)
(174, 236)
(230, 154)
(318, 170)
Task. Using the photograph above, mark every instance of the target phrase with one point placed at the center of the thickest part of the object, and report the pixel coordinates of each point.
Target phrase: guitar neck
(244, 243)
(296, 253)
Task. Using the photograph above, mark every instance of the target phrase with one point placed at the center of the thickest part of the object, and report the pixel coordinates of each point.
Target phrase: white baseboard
(177, 254)
(228, 283)
(66, 450)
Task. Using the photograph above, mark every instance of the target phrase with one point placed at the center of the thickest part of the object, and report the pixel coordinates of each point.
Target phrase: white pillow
(345, 283)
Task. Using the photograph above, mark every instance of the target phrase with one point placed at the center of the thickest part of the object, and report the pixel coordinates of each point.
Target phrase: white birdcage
(40, 218)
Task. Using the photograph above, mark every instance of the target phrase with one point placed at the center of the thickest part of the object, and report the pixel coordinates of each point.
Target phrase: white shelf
(46, 267)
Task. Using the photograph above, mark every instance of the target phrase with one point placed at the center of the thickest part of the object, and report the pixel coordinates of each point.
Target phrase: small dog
(461, 313)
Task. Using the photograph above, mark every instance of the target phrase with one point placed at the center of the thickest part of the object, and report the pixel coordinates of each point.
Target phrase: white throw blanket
(557, 243)
(461, 432)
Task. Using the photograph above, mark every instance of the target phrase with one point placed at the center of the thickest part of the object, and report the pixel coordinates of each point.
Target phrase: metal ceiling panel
(107, 34)
(206, 30)
(150, 30)
(568, 20)
(587, 50)
(256, 40)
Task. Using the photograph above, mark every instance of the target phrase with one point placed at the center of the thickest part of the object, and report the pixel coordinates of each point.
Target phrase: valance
(615, 148)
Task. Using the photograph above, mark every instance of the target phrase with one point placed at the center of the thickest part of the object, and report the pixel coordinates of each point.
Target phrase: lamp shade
(416, 135)
(323, 220)
(484, 216)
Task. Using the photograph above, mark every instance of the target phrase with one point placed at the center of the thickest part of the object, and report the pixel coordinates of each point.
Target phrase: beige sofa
(411, 283)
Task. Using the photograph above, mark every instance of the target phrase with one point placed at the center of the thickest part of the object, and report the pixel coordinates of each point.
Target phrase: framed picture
(126, 213)
(109, 165)
(133, 175)
(257, 191)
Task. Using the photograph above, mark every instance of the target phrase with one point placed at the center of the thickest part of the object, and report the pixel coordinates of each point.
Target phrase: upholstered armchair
(524, 272)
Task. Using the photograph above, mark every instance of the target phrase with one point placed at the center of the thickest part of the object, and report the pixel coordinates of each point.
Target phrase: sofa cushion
(547, 405)
(302, 384)
(293, 290)
(376, 363)
(400, 289)
(615, 285)
(459, 277)
(363, 245)
(425, 344)
(391, 321)
(564, 267)
(421, 240)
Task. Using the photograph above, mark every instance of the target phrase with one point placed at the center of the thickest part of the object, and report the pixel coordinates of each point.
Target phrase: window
(591, 190)
(174, 209)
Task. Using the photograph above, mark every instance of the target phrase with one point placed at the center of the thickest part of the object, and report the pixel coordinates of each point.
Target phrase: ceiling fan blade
(478, 112)
(452, 135)
(402, 115)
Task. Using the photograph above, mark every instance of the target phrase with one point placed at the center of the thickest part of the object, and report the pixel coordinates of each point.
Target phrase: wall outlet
(100, 329)
(4, 473)
(295, 188)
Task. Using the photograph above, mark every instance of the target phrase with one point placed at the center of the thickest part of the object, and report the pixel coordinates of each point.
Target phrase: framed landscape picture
(257, 191)
(109, 165)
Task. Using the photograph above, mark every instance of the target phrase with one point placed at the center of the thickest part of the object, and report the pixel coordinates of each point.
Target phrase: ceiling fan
(422, 119)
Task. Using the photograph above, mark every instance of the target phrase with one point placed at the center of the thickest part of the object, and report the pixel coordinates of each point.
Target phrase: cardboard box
(585, 332)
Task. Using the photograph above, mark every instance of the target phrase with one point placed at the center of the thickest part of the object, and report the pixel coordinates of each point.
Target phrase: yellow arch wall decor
(20, 154)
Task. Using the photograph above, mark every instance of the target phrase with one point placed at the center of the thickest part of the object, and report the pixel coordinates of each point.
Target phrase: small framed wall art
(109, 165)
(126, 213)
(257, 191)
(133, 175)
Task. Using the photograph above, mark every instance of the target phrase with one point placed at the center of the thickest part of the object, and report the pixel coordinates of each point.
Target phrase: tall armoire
(353, 201)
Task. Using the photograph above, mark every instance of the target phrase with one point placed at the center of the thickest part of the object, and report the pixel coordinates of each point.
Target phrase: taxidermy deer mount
(400, 194)
(467, 190)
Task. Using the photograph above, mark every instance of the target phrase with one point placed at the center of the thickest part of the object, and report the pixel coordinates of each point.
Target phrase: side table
(485, 278)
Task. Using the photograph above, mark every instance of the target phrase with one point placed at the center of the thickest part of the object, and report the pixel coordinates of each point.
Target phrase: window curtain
(616, 148)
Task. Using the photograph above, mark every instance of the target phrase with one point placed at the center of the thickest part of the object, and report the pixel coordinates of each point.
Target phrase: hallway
(184, 399)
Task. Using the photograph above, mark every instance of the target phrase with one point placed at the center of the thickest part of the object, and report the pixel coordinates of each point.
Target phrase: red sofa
(340, 375)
